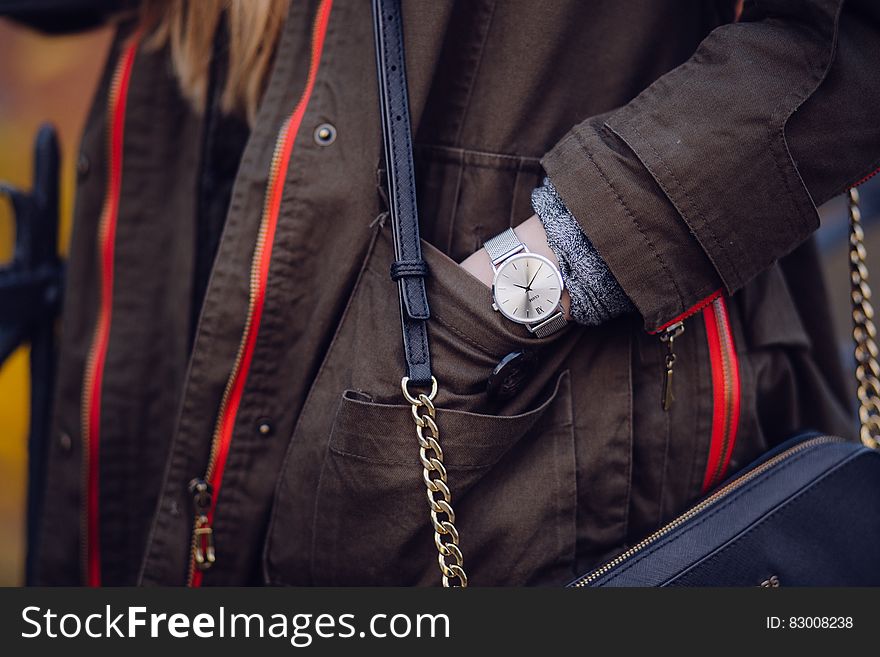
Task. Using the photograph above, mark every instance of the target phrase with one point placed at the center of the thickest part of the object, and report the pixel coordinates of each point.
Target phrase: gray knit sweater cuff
(596, 296)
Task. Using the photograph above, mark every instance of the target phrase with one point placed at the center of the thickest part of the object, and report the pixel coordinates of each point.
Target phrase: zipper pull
(669, 336)
(203, 535)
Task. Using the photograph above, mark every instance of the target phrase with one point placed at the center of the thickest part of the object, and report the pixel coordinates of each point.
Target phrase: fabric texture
(596, 296)
(714, 171)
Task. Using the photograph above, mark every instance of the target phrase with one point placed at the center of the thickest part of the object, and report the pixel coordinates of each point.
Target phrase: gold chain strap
(434, 473)
(864, 330)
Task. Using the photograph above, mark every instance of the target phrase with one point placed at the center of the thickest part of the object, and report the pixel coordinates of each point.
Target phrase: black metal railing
(30, 300)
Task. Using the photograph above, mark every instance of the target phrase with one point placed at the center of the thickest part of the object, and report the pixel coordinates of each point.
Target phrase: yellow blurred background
(42, 79)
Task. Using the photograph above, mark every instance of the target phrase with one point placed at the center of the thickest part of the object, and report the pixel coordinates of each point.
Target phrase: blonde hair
(189, 27)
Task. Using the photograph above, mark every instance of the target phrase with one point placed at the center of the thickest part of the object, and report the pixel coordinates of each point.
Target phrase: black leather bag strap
(409, 270)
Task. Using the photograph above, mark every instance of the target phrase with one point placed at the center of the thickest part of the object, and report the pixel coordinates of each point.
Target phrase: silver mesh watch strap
(549, 326)
(502, 246)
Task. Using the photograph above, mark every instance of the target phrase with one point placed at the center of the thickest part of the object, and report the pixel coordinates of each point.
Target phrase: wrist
(531, 233)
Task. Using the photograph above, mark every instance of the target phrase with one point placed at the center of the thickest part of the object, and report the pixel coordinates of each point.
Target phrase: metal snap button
(65, 442)
(511, 374)
(264, 427)
(83, 166)
(325, 134)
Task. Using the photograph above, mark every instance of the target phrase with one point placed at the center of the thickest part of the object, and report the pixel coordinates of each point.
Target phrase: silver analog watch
(527, 287)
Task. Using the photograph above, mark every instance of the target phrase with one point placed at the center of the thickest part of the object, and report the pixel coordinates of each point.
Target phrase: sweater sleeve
(596, 296)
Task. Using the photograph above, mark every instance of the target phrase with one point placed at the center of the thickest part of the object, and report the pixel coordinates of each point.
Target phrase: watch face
(527, 288)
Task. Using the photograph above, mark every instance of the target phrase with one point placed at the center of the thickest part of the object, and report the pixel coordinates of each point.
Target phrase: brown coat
(697, 173)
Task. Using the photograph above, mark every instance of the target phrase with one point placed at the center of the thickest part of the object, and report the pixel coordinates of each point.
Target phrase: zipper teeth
(255, 289)
(728, 375)
(865, 179)
(101, 329)
(702, 506)
(280, 157)
(255, 285)
(216, 438)
(690, 312)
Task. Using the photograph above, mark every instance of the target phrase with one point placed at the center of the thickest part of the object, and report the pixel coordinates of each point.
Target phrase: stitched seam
(806, 92)
(773, 136)
(453, 213)
(464, 336)
(415, 462)
(693, 310)
(418, 329)
(873, 168)
(631, 215)
(696, 210)
(513, 196)
(630, 422)
(473, 80)
(456, 155)
(414, 291)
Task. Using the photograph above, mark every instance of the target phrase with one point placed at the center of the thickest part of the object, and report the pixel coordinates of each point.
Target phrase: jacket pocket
(326, 469)
(466, 337)
(467, 196)
(513, 491)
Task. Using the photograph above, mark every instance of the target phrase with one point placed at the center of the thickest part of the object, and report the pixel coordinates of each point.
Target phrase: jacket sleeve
(714, 171)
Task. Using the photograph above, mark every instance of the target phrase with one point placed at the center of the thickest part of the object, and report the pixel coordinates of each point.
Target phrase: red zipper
(206, 491)
(693, 310)
(865, 179)
(726, 391)
(94, 373)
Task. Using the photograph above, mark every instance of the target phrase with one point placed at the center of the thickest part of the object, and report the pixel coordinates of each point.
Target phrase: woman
(229, 410)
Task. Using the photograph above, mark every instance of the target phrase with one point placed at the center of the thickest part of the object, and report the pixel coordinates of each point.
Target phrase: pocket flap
(385, 433)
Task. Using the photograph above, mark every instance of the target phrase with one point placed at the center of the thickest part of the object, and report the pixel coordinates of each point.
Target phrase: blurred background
(52, 79)
(41, 79)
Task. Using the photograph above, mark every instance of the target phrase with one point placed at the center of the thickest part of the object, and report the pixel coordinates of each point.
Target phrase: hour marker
(514, 265)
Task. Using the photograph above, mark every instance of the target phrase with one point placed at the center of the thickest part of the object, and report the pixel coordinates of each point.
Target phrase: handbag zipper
(90, 412)
(702, 506)
(725, 391)
(205, 490)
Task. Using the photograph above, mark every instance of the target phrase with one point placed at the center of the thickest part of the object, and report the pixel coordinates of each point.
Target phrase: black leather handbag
(807, 513)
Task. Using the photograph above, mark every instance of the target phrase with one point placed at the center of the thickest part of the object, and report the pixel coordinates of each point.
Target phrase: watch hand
(534, 277)
(522, 287)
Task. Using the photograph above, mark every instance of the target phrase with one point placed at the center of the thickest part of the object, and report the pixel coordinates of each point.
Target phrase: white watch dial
(527, 288)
